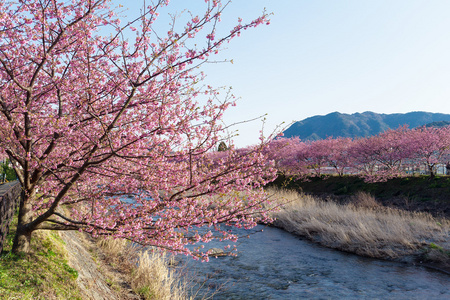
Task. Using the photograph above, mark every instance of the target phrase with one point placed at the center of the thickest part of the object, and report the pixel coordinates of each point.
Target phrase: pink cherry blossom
(114, 136)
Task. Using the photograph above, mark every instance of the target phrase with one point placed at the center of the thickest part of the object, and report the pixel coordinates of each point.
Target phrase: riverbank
(82, 268)
(366, 227)
(73, 265)
(415, 193)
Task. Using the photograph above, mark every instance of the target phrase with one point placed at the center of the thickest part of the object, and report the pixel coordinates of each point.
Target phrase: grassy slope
(43, 274)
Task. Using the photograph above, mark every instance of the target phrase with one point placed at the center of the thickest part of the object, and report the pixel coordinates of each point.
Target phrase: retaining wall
(9, 201)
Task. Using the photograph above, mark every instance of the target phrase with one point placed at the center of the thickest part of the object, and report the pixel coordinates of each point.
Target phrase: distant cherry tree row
(393, 153)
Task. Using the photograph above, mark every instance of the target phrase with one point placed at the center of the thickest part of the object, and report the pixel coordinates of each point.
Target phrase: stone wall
(9, 201)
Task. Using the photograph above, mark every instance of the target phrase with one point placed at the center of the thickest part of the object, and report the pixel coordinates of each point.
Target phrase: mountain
(438, 124)
(360, 124)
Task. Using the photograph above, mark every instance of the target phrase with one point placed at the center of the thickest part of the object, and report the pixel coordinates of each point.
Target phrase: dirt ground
(97, 279)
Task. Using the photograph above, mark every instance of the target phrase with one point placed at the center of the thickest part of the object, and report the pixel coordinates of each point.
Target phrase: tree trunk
(430, 168)
(22, 241)
(22, 238)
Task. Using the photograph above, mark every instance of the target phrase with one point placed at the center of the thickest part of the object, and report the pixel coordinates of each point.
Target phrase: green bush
(7, 172)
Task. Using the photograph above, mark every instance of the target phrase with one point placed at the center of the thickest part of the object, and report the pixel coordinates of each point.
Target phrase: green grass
(42, 274)
(440, 249)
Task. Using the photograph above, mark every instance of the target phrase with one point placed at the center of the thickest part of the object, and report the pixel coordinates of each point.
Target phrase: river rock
(216, 252)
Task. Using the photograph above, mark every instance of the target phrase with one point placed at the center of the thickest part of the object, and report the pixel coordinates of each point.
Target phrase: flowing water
(274, 264)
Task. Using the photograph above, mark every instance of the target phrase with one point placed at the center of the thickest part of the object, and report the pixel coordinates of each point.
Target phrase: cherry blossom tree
(429, 146)
(389, 150)
(363, 157)
(339, 156)
(380, 157)
(289, 155)
(315, 155)
(91, 119)
(280, 152)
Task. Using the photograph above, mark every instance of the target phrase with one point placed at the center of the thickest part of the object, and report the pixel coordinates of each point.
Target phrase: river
(274, 264)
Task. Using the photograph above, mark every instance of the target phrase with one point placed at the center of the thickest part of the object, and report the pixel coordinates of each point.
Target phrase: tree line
(395, 152)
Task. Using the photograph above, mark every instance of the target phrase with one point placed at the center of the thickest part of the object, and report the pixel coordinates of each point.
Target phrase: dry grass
(154, 280)
(114, 247)
(148, 272)
(362, 227)
(364, 200)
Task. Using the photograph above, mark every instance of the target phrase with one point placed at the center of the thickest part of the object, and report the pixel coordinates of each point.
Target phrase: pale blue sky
(317, 57)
